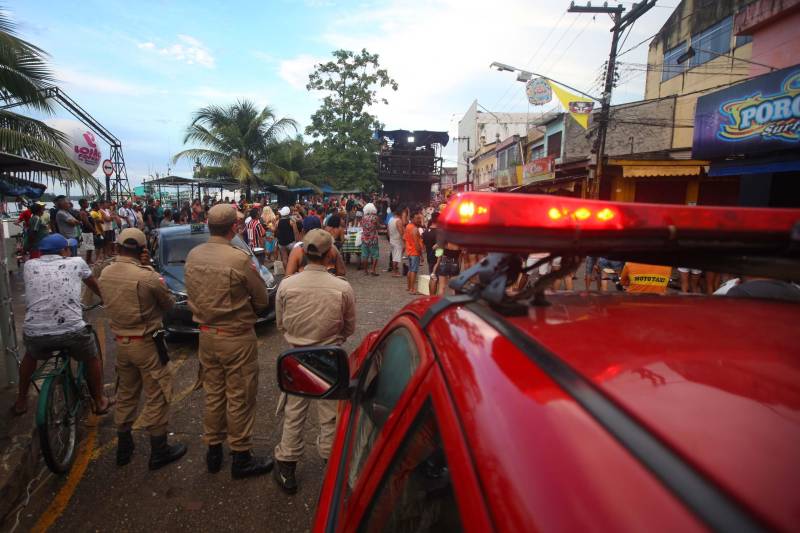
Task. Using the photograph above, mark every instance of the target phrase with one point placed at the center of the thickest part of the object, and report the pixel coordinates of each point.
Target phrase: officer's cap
(132, 238)
(222, 214)
(317, 242)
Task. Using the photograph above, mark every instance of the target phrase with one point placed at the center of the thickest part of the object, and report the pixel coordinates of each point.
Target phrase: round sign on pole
(80, 143)
(539, 91)
(108, 168)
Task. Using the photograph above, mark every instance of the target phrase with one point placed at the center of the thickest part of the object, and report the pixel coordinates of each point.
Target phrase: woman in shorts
(447, 266)
(287, 234)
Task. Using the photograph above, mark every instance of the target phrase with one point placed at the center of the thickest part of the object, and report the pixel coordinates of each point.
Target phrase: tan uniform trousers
(295, 412)
(138, 368)
(229, 366)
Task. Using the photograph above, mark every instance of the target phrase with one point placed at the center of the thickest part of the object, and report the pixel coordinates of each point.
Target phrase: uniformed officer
(313, 307)
(135, 299)
(225, 295)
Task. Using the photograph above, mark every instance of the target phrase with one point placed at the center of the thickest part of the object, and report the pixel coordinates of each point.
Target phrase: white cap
(369, 209)
(284, 211)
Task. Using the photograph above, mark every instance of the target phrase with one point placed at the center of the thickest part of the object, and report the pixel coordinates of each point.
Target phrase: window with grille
(671, 67)
(712, 43)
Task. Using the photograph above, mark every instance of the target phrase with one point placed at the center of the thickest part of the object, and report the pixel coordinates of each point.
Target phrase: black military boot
(284, 475)
(214, 458)
(124, 447)
(163, 453)
(246, 465)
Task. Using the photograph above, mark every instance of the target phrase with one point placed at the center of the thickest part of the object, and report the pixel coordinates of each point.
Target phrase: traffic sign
(108, 167)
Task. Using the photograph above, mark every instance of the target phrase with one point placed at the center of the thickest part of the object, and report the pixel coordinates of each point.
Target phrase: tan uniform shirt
(134, 296)
(315, 307)
(224, 289)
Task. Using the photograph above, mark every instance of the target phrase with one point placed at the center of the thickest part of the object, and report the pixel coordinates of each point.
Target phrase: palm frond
(23, 68)
(205, 156)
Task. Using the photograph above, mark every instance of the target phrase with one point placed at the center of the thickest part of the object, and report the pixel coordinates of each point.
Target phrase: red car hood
(716, 378)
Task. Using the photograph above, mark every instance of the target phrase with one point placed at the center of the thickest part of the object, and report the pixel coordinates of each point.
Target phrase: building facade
(491, 126)
(484, 166)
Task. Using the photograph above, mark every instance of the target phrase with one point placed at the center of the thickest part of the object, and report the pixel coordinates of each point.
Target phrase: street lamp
(525, 75)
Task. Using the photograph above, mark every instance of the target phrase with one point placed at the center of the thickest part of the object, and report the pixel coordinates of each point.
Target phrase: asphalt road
(99, 496)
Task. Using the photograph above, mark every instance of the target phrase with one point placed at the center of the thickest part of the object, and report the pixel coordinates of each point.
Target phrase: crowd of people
(225, 294)
(313, 241)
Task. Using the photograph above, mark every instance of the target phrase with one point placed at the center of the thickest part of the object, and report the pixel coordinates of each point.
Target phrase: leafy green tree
(237, 141)
(342, 128)
(24, 72)
(292, 164)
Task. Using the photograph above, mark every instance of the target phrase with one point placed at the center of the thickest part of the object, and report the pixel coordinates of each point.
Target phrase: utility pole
(621, 23)
(466, 160)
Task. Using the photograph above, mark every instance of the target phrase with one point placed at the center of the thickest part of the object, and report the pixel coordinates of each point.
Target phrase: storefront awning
(647, 171)
(738, 168)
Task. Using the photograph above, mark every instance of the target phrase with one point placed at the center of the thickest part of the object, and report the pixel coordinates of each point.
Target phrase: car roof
(716, 379)
(179, 229)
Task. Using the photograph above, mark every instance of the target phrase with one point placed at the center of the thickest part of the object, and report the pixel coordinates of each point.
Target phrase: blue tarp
(14, 187)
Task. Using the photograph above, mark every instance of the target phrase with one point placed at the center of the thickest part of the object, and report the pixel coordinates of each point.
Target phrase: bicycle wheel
(57, 423)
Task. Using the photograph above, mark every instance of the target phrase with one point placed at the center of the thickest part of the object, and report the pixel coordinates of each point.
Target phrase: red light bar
(515, 212)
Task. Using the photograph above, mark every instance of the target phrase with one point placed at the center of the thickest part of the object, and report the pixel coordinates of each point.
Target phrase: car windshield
(177, 247)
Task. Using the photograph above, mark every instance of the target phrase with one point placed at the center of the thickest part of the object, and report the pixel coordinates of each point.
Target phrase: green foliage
(24, 72)
(292, 164)
(237, 141)
(342, 127)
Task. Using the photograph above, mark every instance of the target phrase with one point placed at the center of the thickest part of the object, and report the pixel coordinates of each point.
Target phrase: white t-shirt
(128, 217)
(107, 226)
(53, 295)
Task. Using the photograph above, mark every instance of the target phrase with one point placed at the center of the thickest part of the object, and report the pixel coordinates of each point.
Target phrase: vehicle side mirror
(320, 372)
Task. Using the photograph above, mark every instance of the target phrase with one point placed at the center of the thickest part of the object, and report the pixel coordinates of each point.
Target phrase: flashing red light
(524, 211)
(554, 213)
(466, 210)
(582, 213)
(605, 214)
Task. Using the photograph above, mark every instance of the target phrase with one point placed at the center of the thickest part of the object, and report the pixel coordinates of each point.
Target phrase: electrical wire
(557, 61)
(564, 33)
(533, 56)
(663, 28)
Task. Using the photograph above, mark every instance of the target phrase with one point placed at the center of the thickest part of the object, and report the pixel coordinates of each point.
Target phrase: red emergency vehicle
(577, 411)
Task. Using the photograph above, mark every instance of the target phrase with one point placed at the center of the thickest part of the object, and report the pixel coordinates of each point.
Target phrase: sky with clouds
(141, 68)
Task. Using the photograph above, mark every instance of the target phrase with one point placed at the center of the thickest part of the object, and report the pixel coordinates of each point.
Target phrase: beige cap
(317, 242)
(222, 214)
(132, 234)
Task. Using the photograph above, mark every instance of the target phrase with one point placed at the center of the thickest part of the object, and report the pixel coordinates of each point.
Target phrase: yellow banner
(579, 107)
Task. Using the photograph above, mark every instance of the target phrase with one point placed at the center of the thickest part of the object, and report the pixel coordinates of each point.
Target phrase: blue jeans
(413, 263)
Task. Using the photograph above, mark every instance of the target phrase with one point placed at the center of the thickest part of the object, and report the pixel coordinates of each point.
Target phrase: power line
(666, 26)
(554, 63)
(650, 101)
(534, 55)
(556, 44)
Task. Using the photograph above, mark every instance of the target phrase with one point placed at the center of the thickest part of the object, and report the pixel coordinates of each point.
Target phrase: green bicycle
(62, 401)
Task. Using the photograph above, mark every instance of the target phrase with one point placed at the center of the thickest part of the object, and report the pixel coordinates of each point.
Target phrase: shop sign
(760, 115)
(538, 170)
(506, 178)
(538, 91)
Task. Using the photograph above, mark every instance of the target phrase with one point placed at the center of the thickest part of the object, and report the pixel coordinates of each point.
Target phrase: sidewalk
(19, 452)
(19, 441)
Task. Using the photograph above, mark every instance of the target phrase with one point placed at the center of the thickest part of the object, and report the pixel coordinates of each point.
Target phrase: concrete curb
(19, 453)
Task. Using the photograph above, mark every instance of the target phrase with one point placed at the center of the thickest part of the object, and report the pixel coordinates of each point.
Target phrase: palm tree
(237, 141)
(23, 74)
(292, 164)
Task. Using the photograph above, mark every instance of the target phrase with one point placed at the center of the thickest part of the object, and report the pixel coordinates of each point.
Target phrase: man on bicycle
(54, 317)
(135, 298)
